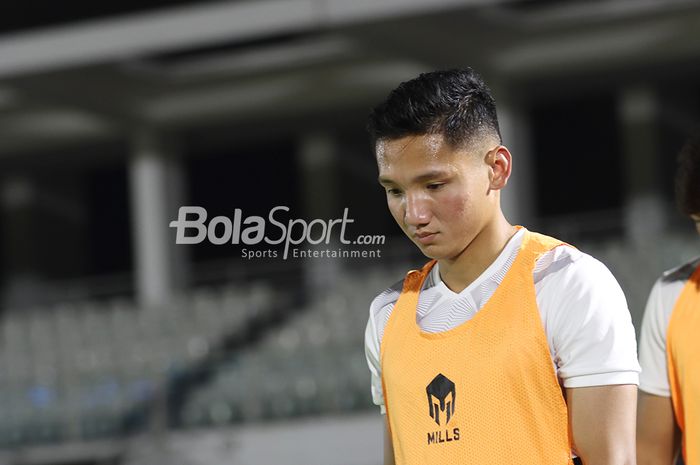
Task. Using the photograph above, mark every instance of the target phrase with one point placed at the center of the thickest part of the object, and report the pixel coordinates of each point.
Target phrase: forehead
(416, 150)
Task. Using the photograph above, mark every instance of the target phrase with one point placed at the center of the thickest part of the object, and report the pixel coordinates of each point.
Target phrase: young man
(507, 346)
(669, 349)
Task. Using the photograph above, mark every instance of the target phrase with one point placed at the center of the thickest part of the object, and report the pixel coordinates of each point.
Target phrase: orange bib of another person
(683, 355)
(482, 393)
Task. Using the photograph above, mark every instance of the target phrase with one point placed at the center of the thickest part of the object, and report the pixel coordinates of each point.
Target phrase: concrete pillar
(21, 256)
(43, 237)
(644, 215)
(518, 198)
(317, 162)
(155, 183)
(319, 198)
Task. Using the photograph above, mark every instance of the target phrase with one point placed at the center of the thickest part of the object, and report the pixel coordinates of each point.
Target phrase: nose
(417, 212)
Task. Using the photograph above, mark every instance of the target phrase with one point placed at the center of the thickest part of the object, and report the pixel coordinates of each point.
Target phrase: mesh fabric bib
(683, 355)
(482, 393)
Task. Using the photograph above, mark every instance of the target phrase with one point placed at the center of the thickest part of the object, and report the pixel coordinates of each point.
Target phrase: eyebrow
(420, 178)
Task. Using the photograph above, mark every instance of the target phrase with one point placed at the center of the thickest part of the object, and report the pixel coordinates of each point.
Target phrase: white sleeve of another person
(652, 345)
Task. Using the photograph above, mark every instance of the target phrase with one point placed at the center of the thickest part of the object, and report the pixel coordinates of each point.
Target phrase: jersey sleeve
(652, 346)
(588, 324)
(379, 311)
(372, 356)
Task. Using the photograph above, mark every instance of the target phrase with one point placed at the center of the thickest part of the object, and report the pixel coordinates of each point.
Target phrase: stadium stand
(90, 370)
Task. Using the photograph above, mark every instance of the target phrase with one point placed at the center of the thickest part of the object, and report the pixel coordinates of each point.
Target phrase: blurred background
(119, 347)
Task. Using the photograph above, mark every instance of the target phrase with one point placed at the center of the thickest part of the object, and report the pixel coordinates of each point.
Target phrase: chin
(431, 252)
(425, 250)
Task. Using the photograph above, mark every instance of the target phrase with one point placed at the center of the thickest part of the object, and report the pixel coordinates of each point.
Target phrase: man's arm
(658, 436)
(382, 303)
(388, 445)
(602, 421)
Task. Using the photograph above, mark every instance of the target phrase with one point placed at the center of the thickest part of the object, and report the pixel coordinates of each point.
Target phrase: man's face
(440, 196)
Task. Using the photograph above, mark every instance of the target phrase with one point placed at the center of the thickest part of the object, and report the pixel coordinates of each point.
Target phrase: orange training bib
(683, 356)
(482, 393)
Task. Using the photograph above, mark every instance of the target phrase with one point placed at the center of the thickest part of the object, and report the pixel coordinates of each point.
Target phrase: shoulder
(586, 319)
(666, 289)
(657, 315)
(385, 300)
(567, 265)
(573, 285)
(679, 273)
(562, 260)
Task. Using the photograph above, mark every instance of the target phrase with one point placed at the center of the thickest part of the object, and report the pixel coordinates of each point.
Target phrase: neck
(460, 271)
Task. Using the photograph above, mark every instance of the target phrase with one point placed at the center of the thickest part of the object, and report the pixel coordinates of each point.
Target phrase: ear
(499, 160)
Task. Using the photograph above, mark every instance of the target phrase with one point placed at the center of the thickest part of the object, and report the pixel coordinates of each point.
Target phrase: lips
(425, 237)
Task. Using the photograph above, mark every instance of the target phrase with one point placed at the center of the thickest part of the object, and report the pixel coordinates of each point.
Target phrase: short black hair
(455, 103)
(688, 176)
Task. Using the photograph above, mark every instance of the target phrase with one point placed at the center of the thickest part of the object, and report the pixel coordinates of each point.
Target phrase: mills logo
(438, 391)
(441, 400)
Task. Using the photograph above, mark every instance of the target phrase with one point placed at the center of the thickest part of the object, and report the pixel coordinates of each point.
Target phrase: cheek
(454, 206)
(396, 210)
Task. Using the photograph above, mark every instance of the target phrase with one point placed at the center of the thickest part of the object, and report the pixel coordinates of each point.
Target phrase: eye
(435, 186)
(392, 191)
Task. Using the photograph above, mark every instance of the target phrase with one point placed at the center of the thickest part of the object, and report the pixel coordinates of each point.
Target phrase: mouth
(425, 237)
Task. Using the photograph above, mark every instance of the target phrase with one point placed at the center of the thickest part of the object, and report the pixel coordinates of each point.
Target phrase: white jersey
(584, 313)
(652, 339)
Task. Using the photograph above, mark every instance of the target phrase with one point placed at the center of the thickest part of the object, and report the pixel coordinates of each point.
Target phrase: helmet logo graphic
(441, 398)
